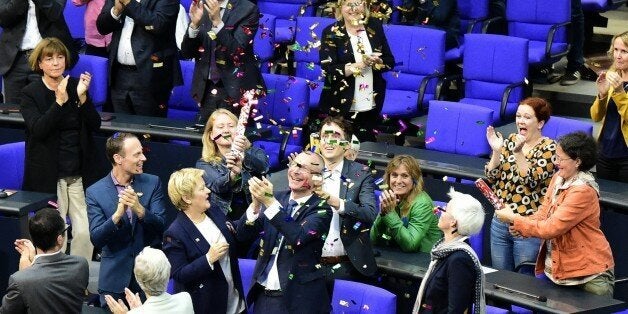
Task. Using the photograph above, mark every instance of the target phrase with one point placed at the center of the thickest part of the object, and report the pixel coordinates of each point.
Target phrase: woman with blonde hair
(201, 249)
(354, 53)
(227, 173)
(406, 218)
(611, 107)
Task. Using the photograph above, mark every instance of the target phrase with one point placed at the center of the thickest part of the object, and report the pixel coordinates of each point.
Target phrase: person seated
(441, 14)
(152, 271)
(201, 247)
(405, 219)
(48, 280)
(454, 281)
(574, 250)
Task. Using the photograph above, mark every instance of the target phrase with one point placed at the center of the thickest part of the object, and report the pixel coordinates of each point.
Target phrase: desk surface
(22, 202)
(614, 194)
(559, 299)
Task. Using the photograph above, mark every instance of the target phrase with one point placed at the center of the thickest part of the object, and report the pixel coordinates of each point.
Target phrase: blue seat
(247, 266)
(559, 126)
(181, 105)
(99, 68)
(286, 12)
(457, 128)
(472, 14)
(283, 112)
(601, 5)
(495, 69)
(12, 156)
(354, 297)
(75, 18)
(264, 43)
(420, 63)
(308, 65)
(542, 22)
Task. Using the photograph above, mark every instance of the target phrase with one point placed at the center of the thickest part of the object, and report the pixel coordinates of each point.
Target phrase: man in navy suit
(348, 188)
(220, 39)
(288, 277)
(143, 55)
(126, 213)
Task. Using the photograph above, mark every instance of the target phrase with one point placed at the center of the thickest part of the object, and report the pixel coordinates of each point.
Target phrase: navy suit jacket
(360, 212)
(122, 242)
(153, 40)
(451, 285)
(302, 282)
(186, 249)
(236, 61)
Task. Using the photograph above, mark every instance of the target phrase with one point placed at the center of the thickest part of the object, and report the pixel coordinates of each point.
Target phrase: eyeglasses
(438, 211)
(561, 160)
(64, 230)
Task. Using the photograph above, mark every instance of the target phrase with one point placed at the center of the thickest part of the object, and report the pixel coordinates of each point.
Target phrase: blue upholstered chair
(282, 112)
(12, 156)
(286, 12)
(99, 68)
(395, 16)
(601, 5)
(420, 63)
(558, 126)
(308, 65)
(181, 105)
(264, 43)
(354, 297)
(186, 4)
(494, 70)
(472, 14)
(457, 128)
(75, 18)
(247, 266)
(542, 22)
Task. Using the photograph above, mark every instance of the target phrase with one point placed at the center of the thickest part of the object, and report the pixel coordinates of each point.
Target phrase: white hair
(152, 271)
(467, 211)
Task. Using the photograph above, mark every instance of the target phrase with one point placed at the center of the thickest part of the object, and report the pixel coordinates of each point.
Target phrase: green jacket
(418, 234)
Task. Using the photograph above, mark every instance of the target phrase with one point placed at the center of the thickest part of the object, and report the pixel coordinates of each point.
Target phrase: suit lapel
(195, 235)
(220, 222)
(344, 173)
(228, 9)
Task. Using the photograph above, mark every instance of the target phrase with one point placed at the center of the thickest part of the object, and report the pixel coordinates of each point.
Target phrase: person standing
(220, 39)
(24, 23)
(143, 55)
(60, 120)
(95, 42)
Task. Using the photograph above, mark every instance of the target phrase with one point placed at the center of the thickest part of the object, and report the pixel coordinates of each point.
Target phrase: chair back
(99, 68)
(559, 126)
(181, 105)
(308, 66)
(75, 19)
(472, 13)
(264, 43)
(419, 60)
(12, 156)
(286, 12)
(354, 297)
(458, 128)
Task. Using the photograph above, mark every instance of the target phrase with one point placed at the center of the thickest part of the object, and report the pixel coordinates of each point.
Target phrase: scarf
(440, 252)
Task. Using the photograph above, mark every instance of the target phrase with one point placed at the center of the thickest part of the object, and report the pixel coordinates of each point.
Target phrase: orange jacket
(572, 224)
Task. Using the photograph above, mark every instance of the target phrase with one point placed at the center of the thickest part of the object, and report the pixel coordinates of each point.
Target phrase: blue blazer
(302, 282)
(451, 285)
(186, 247)
(359, 215)
(122, 242)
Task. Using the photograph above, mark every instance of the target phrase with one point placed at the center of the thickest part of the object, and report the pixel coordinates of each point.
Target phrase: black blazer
(50, 22)
(186, 249)
(238, 65)
(360, 212)
(335, 52)
(302, 282)
(42, 117)
(153, 41)
(451, 285)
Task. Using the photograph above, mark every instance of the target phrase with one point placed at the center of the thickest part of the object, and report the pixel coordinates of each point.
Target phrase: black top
(612, 143)
(69, 162)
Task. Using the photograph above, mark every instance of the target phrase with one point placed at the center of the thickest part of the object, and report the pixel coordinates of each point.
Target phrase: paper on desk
(488, 270)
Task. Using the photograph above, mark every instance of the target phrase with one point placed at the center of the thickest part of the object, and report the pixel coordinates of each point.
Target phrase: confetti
(430, 140)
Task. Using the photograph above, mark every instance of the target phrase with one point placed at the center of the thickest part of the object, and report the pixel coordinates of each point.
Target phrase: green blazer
(417, 233)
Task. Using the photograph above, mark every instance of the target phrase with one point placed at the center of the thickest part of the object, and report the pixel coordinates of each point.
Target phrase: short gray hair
(467, 211)
(152, 271)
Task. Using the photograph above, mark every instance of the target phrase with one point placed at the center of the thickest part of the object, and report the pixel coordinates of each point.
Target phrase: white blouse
(363, 99)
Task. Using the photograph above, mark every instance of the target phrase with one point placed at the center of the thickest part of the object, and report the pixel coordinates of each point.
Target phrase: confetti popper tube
(489, 194)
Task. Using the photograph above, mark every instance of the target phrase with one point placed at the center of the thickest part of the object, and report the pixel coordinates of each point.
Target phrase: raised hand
(614, 80)
(61, 94)
(387, 202)
(495, 139)
(196, 13)
(133, 300)
(234, 163)
(262, 190)
(519, 141)
(602, 85)
(116, 307)
(83, 84)
(128, 197)
(213, 10)
(240, 143)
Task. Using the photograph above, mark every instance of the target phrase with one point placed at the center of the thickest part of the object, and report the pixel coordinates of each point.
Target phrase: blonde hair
(338, 11)
(624, 38)
(45, 48)
(415, 173)
(182, 184)
(210, 151)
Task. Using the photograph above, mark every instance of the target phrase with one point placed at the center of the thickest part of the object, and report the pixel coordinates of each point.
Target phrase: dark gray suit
(53, 284)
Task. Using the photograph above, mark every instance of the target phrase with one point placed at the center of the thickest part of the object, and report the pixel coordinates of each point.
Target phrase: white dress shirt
(331, 185)
(31, 35)
(125, 49)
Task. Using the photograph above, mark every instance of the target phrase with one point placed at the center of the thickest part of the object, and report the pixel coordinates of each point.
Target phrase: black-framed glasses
(64, 230)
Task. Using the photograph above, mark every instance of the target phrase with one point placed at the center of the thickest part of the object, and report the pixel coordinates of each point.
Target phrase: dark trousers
(364, 123)
(615, 169)
(18, 76)
(345, 271)
(266, 304)
(96, 51)
(133, 286)
(575, 57)
(129, 94)
(215, 97)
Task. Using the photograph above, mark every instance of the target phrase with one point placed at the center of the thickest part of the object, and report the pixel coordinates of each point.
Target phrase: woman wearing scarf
(574, 251)
(454, 281)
